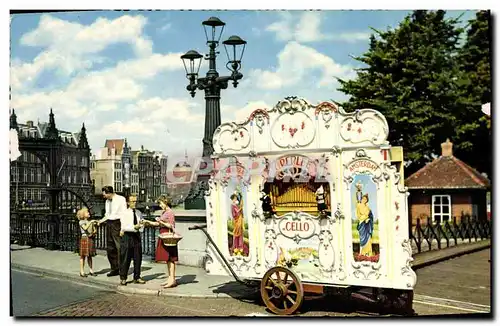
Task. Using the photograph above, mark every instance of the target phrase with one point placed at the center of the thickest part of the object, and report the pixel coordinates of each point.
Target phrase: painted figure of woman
(365, 223)
(238, 224)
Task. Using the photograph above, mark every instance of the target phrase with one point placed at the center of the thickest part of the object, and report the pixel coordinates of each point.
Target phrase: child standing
(87, 247)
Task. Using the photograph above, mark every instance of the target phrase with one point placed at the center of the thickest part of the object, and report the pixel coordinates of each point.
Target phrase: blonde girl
(87, 247)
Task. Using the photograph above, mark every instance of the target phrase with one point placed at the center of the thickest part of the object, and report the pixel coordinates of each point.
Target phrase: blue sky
(120, 72)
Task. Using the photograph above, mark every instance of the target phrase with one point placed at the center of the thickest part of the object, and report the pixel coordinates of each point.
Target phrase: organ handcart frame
(309, 198)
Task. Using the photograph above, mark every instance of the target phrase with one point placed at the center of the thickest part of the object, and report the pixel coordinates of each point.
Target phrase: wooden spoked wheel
(282, 291)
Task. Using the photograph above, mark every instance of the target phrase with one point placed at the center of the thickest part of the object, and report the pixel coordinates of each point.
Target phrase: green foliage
(413, 75)
(474, 60)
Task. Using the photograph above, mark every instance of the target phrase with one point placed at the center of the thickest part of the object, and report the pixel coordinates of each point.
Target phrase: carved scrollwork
(338, 214)
(336, 150)
(291, 104)
(367, 270)
(231, 137)
(327, 111)
(271, 249)
(326, 251)
(342, 274)
(361, 153)
(240, 263)
(407, 270)
(260, 117)
(364, 125)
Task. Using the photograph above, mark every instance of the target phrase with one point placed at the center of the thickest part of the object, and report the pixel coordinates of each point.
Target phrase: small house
(446, 188)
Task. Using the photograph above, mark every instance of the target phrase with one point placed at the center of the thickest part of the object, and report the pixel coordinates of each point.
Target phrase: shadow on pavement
(152, 276)
(186, 279)
(143, 269)
(239, 291)
(103, 271)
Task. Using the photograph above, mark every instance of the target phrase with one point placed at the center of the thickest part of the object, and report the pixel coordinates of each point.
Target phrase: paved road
(32, 293)
(457, 286)
(463, 282)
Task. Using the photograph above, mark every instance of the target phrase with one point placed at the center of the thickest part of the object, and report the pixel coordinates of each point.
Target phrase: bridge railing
(62, 232)
(426, 235)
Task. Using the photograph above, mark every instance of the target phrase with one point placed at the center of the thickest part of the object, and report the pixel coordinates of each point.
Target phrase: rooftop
(447, 172)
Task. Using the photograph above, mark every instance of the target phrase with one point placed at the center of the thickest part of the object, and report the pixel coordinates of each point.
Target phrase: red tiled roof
(118, 144)
(447, 172)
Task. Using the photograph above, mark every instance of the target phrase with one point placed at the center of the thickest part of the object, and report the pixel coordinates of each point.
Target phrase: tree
(412, 76)
(474, 60)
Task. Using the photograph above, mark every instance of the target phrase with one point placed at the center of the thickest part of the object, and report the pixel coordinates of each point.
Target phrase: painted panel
(365, 223)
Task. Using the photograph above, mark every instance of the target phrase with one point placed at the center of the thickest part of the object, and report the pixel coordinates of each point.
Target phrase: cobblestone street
(137, 305)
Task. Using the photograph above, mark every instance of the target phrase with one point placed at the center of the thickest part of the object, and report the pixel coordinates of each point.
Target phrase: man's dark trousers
(113, 245)
(131, 248)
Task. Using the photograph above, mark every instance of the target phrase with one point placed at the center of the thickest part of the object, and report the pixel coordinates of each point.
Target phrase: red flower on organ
(282, 127)
(349, 125)
(303, 125)
(359, 130)
(292, 131)
(241, 134)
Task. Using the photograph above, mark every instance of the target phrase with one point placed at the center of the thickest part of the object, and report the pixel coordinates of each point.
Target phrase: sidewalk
(193, 281)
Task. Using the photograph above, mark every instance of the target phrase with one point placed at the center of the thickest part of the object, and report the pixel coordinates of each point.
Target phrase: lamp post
(212, 84)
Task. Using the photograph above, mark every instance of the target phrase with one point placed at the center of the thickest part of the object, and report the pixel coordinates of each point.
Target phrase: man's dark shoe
(123, 282)
(112, 274)
(139, 281)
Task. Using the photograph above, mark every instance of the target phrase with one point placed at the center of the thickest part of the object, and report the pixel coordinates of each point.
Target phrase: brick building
(446, 188)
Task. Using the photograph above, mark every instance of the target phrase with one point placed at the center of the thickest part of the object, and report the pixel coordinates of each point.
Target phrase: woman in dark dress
(166, 254)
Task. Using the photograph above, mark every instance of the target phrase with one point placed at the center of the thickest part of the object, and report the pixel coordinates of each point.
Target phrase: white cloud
(308, 29)
(351, 37)
(282, 28)
(130, 127)
(70, 47)
(158, 109)
(165, 27)
(295, 64)
(233, 114)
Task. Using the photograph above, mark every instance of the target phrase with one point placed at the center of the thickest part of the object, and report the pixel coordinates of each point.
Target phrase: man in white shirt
(115, 208)
(131, 246)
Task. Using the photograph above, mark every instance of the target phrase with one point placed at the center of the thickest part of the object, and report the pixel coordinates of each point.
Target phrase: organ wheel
(282, 291)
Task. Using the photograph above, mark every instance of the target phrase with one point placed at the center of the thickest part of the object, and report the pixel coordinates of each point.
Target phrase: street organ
(305, 197)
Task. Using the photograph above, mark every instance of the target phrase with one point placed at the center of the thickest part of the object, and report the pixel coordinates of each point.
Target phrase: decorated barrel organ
(313, 189)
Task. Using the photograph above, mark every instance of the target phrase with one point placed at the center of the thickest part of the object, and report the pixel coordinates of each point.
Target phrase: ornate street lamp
(212, 84)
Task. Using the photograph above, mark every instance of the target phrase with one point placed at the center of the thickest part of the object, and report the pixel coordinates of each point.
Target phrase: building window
(441, 208)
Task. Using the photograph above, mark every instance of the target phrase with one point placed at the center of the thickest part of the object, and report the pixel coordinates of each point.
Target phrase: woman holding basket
(166, 253)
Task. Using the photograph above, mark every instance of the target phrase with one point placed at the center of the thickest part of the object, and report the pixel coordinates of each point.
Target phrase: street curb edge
(113, 287)
(50, 273)
(451, 256)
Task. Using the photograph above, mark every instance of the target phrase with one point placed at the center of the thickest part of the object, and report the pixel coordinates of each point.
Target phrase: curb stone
(469, 249)
(54, 274)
